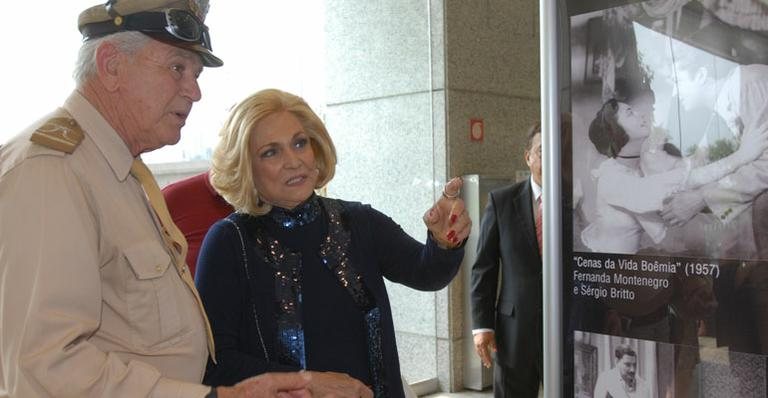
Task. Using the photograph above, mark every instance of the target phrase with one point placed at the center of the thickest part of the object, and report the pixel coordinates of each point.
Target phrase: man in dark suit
(512, 325)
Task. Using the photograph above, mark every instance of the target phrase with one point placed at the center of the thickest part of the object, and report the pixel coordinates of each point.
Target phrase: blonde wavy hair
(231, 172)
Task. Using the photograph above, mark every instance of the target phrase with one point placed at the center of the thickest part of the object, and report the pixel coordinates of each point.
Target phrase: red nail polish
(450, 235)
(453, 218)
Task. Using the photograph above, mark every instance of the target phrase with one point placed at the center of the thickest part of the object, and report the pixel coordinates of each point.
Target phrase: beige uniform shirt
(90, 302)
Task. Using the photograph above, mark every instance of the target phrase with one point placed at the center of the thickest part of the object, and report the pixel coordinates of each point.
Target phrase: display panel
(666, 235)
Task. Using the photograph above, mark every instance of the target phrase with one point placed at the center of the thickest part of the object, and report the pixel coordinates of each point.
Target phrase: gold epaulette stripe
(60, 133)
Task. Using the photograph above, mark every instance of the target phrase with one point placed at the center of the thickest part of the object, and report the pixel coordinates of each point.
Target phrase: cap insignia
(60, 133)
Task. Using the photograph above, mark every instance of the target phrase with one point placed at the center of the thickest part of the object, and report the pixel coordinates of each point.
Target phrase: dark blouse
(332, 322)
(245, 315)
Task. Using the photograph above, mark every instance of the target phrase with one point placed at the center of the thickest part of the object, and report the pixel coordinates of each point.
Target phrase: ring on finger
(454, 196)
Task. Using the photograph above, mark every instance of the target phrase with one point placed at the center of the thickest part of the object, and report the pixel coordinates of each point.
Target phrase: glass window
(263, 44)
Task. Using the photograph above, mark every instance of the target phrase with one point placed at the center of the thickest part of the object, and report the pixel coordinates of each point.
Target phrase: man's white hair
(126, 42)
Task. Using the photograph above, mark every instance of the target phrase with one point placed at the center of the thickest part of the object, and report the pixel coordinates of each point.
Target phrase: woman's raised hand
(447, 219)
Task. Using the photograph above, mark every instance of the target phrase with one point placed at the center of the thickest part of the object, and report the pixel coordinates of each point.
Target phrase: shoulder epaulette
(59, 133)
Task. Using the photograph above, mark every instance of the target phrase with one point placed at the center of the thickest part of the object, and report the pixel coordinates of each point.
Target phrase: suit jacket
(508, 240)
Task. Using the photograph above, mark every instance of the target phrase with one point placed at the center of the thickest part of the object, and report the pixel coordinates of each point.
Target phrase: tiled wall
(404, 78)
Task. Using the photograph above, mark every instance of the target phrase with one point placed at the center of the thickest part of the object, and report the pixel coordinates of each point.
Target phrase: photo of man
(619, 367)
(622, 380)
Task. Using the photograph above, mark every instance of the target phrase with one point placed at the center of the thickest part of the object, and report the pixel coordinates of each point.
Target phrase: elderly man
(95, 298)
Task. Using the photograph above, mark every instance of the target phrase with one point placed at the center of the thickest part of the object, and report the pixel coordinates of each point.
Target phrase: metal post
(552, 261)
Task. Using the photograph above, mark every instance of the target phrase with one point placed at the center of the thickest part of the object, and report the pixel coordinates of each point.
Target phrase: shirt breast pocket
(153, 297)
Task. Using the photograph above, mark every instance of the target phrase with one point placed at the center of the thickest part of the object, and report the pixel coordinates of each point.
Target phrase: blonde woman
(295, 281)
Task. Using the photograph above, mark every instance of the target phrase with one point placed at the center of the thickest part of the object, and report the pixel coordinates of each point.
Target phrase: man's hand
(681, 207)
(270, 385)
(338, 385)
(485, 342)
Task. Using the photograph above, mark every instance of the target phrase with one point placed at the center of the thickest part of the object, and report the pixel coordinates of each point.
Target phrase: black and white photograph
(669, 109)
(669, 103)
(611, 366)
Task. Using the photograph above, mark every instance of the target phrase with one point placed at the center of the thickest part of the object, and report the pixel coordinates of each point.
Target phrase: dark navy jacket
(242, 313)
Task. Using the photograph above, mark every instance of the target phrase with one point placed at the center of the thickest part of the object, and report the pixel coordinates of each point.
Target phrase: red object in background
(476, 130)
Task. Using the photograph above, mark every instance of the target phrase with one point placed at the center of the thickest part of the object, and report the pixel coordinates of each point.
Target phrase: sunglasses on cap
(179, 24)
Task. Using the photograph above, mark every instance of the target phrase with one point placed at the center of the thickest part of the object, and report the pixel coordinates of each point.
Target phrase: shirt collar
(107, 140)
(299, 216)
(535, 188)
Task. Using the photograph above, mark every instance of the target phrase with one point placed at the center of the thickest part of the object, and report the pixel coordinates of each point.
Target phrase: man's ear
(107, 62)
(527, 157)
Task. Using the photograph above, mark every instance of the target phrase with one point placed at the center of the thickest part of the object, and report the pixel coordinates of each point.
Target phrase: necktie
(172, 236)
(538, 223)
